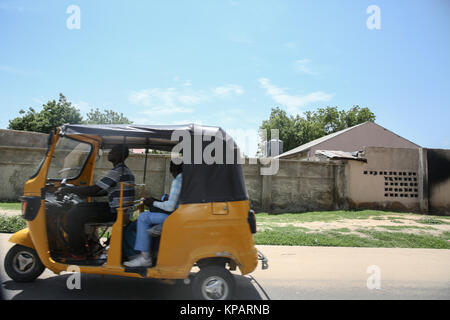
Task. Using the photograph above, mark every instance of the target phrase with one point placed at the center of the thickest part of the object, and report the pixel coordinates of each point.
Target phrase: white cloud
(163, 101)
(292, 102)
(302, 66)
(229, 89)
(192, 98)
(173, 100)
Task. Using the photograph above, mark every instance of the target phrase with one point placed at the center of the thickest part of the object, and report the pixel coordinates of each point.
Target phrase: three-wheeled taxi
(211, 229)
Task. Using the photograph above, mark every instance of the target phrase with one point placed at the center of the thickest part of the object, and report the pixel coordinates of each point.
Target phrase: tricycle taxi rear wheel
(213, 283)
(22, 264)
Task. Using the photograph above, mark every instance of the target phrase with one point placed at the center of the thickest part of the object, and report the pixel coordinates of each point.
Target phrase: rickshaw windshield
(69, 159)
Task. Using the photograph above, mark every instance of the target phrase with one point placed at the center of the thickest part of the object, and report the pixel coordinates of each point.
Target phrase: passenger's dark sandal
(78, 257)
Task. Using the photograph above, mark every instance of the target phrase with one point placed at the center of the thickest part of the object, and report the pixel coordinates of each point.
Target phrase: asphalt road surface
(294, 273)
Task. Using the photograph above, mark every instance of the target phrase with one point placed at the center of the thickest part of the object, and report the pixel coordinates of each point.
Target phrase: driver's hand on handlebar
(62, 191)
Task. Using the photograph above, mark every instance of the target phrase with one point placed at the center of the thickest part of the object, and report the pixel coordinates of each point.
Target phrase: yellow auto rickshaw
(211, 229)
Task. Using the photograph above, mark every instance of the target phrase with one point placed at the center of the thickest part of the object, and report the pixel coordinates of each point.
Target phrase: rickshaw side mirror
(50, 138)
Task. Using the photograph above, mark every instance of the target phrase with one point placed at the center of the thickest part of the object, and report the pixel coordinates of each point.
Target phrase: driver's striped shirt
(111, 183)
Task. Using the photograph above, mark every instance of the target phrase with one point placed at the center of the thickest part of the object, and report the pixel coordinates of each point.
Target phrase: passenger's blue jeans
(145, 221)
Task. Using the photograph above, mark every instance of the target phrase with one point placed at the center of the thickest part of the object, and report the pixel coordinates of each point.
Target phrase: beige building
(367, 134)
(387, 178)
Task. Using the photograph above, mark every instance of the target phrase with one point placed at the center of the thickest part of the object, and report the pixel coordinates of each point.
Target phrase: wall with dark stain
(439, 180)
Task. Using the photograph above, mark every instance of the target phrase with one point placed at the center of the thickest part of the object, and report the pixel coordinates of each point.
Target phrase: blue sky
(227, 63)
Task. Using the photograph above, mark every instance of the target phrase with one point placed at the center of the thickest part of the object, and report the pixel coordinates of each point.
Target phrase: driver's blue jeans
(145, 221)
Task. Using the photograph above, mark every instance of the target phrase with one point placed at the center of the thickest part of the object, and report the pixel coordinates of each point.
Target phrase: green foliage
(53, 114)
(12, 224)
(56, 113)
(297, 130)
(106, 117)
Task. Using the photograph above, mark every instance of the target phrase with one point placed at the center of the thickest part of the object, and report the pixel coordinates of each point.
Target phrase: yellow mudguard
(23, 238)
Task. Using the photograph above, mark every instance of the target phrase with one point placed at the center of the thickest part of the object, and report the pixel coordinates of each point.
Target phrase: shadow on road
(111, 287)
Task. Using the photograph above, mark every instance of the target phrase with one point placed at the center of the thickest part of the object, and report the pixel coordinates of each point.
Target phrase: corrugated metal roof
(335, 154)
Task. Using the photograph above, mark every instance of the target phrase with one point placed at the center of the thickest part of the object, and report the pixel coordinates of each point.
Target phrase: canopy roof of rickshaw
(157, 137)
(217, 182)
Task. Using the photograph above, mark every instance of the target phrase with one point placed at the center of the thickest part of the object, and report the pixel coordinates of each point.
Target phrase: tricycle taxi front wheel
(213, 283)
(22, 264)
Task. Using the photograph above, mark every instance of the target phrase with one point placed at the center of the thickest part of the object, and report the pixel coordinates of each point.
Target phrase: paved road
(294, 273)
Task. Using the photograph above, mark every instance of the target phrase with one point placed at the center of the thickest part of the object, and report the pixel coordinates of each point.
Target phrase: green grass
(395, 220)
(322, 216)
(342, 230)
(11, 205)
(290, 236)
(406, 240)
(399, 228)
(271, 233)
(326, 216)
(431, 220)
(11, 224)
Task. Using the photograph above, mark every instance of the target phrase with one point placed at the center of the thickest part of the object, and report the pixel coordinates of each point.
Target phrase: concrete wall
(16, 138)
(307, 186)
(440, 198)
(392, 178)
(298, 186)
(17, 165)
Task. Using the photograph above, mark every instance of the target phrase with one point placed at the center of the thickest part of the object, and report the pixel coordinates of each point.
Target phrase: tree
(52, 115)
(298, 130)
(26, 122)
(106, 117)
(55, 114)
(286, 125)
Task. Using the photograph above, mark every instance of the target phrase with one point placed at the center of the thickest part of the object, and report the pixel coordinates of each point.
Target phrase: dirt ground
(407, 223)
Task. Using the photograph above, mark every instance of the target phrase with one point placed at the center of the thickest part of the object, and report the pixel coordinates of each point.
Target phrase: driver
(99, 211)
